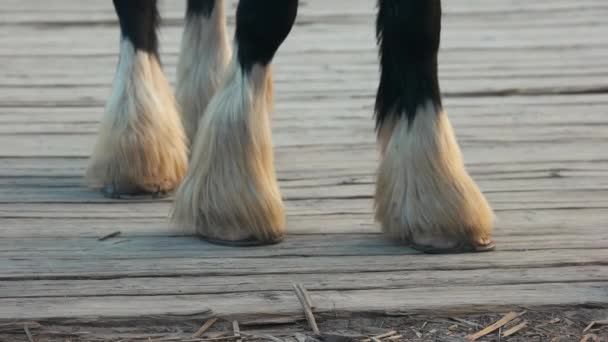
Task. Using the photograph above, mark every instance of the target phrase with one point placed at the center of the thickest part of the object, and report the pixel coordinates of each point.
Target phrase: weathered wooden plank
(354, 126)
(354, 112)
(302, 205)
(456, 15)
(77, 266)
(356, 184)
(155, 286)
(409, 300)
(316, 67)
(75, 222)
(493, 178)
(290, 169)
(70, 6)
(359, 34)
(300, 245)
(97, 69)
(322, 86)
(342, 155)
(481, 32)
(314, 205)
(307, 90)
(68, 10)
(478, 138)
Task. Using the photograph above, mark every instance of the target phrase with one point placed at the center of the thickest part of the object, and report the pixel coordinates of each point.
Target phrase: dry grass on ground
(561, 324)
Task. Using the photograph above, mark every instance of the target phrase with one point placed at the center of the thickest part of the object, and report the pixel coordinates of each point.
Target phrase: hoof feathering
(203, 62)
(141, 144)
(230, 193)
(424, 195)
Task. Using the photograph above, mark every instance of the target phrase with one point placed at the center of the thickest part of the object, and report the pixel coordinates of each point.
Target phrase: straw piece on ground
(589, 327)
(215, 339)
(385, 335)
(469, 323)
(307, 297)
(515, 329)
(301, 293)
(381, 336)
(272, 338)
(237, 331)
(418, 333)
(279, 320)
(490, 329)
(594, 323)
(28, 333)
(204, 328)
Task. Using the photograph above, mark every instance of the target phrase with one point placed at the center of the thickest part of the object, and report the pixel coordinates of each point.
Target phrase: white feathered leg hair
(203, 60)
(230, 195)
(231, 192)
(424, 195)
(141, 146)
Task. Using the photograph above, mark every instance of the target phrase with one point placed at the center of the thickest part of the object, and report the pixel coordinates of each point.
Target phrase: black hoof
(114, 192)
(465, 247)
(248, 242)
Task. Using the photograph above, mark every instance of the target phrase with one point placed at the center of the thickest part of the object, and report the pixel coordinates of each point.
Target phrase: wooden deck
(526, 87)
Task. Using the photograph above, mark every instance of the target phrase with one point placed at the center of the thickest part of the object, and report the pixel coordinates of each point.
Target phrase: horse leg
(424, 195)
(141, 146)
(204, 58)
(230, 195)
